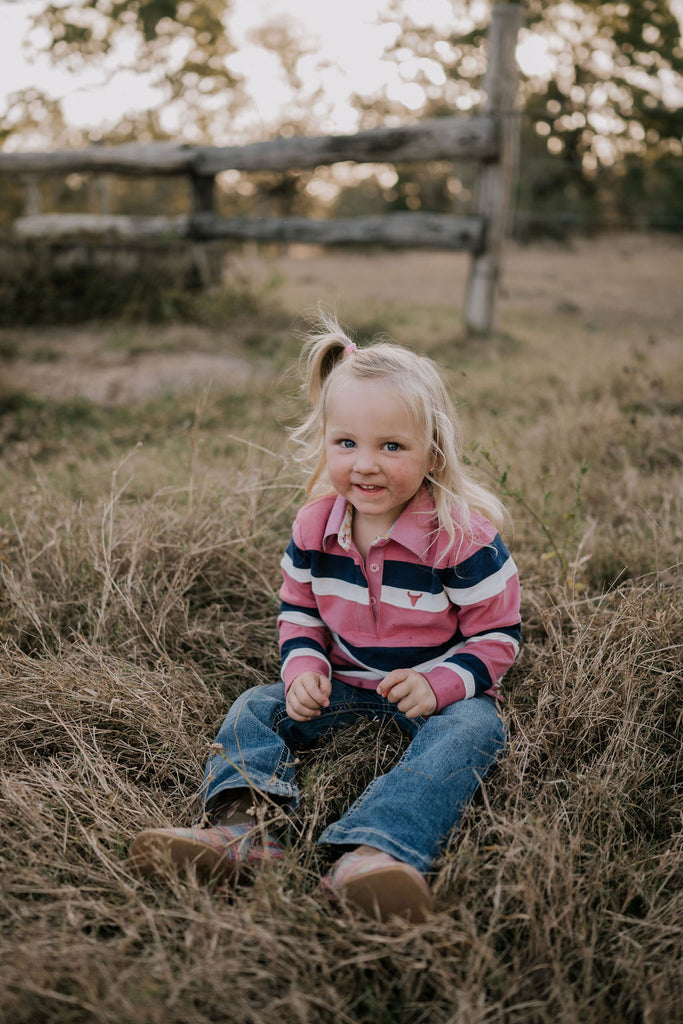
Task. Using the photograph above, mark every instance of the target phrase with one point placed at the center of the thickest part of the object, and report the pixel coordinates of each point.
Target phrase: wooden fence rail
(490, 139)
(437, 139)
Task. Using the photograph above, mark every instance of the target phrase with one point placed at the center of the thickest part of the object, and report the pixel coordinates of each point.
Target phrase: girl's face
(376, 455)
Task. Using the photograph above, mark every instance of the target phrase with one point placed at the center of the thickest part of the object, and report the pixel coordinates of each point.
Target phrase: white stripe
(425, 666)
(425, 602)
(300, 619)
(468, 680)
(492, 585)
(352, 673)
(288, 567)
(305, 652)
(366, 670)
(499, 638)
(466, 677)
(328, 586)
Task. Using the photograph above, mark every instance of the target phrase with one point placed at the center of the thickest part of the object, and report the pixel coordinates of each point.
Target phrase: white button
(374, 567)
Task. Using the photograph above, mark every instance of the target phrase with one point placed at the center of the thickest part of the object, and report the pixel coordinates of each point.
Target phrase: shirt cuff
(448, 687)
(297, 664)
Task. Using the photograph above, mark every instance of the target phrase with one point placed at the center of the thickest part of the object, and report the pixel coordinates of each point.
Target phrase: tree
(611, 81)
(181, 47)
(602, 87)
(605, 95)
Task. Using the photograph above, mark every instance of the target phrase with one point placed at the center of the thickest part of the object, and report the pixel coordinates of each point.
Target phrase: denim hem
(264, 783)
(334, 835)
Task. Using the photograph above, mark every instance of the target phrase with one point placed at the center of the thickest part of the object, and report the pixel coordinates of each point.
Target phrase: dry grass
(139, 593)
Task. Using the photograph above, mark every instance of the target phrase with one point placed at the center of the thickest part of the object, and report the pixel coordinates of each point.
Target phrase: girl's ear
(435, 459)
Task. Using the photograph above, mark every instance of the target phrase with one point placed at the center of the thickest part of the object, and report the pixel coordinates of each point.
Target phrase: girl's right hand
(307, 695)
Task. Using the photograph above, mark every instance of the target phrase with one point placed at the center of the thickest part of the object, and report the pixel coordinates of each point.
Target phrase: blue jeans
(410, 811)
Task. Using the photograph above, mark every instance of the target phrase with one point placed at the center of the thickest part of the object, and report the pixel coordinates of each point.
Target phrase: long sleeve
(485, 590)
(304, 637)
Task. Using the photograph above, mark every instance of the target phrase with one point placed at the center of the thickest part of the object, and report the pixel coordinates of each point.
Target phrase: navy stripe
(409, 576)
(514, 632)
(473, 664)
(301, 559)
(337, 567)
(307, 609)
(386, 659)
(479, 566)
(327, 566)
(299, 642)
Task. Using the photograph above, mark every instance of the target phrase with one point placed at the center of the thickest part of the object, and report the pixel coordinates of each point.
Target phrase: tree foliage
(602, 111)
(611, 83)
(182, 48)
(602, 117)
(82, 30)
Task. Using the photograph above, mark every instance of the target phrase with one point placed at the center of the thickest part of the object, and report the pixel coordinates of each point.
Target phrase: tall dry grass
(135, 611)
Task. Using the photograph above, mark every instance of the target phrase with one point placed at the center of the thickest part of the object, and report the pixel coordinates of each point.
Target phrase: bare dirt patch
(123, 379)
(631, 281)
(115, 365)
(626, 274)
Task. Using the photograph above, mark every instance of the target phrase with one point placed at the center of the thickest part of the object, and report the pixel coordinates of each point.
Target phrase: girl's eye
(393, 446)
(346, 442)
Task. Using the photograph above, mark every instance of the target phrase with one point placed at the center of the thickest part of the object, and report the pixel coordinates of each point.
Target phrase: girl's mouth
(369, 488)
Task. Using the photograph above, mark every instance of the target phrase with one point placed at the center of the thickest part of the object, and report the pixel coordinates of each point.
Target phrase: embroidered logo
(414, 598)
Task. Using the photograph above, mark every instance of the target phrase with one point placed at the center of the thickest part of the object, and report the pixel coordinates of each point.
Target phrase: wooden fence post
(203, 202)
(32, 197)
(496, 178)
(103, 194)
(203, 192)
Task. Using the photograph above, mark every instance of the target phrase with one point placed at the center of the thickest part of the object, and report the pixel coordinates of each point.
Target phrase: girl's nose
(365, 461)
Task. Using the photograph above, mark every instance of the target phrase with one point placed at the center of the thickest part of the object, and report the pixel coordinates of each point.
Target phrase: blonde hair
(329, 356)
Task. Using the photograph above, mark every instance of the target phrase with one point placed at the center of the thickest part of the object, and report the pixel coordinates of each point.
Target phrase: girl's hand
(410, 691)
(307, 695)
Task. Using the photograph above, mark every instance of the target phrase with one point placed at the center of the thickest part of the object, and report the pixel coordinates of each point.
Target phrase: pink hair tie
(350, 348)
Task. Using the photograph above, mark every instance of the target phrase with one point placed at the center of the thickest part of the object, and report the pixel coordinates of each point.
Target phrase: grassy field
(142, 518)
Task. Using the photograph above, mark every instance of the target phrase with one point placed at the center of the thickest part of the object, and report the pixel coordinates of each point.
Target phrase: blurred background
(146, 495)
(601, 91)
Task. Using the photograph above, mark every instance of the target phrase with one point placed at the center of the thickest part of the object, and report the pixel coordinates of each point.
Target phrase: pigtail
(324, 349)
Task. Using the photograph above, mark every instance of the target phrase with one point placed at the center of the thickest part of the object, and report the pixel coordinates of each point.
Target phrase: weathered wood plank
(53, 226)
(445, 138)
(403, 230)
(135, 159)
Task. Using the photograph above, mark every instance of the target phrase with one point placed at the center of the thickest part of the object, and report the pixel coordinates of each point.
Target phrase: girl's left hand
(410, 691)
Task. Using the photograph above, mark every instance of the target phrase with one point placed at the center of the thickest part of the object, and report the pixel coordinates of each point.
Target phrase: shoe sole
(152, 853)
(393, 891)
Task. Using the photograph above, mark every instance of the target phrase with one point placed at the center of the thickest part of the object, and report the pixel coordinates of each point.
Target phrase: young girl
(399, 600)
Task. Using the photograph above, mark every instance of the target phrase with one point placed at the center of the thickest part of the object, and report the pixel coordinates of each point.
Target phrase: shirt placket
(374, 571)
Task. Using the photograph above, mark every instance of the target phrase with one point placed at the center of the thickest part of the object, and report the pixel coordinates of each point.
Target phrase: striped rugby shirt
(452, 616)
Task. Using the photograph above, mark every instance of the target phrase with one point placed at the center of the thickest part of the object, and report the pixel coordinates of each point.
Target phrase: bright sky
(344, 31)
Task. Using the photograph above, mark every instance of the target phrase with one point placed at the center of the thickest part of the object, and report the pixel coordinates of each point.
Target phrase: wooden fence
(490, 139)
